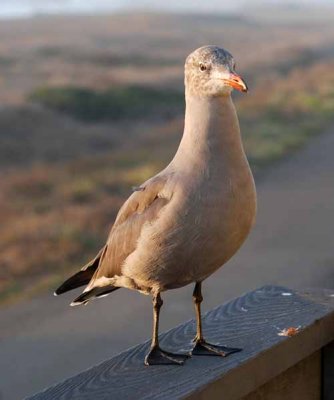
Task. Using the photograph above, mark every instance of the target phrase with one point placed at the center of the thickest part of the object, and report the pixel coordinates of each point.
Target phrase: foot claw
(157, 356)
(202, 348)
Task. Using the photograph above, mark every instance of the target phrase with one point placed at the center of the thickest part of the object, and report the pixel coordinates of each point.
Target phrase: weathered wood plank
(302, 381)
(328, 372)
(251, 322)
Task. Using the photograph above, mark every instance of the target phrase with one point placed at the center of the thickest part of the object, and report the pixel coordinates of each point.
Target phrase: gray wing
(142, 207)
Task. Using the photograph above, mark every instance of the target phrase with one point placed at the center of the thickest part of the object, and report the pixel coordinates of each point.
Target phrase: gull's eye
(202, 67)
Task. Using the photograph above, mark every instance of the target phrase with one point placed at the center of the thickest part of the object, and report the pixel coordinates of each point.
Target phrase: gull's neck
(211, 132)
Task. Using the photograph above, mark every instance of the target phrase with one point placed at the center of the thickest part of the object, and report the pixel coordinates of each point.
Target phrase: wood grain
(251, 322)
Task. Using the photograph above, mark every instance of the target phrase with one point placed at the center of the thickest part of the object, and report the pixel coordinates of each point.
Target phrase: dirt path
(44, 340)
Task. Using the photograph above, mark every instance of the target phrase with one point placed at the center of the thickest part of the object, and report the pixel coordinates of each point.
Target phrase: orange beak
(236, 82)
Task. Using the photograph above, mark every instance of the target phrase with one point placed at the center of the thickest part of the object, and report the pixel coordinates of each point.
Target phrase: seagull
(183, 224)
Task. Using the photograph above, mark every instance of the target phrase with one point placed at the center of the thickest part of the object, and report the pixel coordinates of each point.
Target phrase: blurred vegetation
(55, 217)
(281, 115)
(92, 120)
(100, 58)
(116, 103)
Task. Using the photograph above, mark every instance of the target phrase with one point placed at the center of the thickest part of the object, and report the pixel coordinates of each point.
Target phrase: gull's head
(210, 71)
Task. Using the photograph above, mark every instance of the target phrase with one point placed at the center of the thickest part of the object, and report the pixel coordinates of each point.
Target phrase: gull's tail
(93, 293)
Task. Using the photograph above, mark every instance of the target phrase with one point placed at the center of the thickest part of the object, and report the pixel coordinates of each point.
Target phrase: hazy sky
(28, 7)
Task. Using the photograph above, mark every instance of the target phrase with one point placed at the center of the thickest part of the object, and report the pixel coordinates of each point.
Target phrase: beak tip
(237, 83)
(245, 88)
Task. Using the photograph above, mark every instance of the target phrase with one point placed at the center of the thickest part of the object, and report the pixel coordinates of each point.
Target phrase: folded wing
(142, 207)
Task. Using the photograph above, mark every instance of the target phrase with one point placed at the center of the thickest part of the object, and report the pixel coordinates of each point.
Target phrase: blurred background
(91, 104)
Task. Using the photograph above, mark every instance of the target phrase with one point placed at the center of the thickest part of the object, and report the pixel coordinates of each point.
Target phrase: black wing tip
(61, 289)
(81, 278)
(57, 292)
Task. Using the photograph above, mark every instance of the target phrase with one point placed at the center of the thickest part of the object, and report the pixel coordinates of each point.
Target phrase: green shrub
(131, 102)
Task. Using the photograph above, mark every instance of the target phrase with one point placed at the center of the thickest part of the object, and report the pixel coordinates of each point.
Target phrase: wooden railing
(288, 353)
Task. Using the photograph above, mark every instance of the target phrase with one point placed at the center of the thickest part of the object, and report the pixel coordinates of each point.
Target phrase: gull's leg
(203, 348)
(156, 355)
